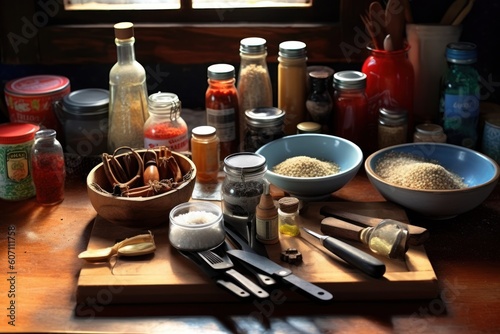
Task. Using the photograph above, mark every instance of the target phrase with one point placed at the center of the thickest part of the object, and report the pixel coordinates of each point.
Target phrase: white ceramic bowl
(478, 171)
(324, 147)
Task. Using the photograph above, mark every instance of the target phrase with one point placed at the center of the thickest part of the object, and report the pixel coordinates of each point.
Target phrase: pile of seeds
(414, 172)
(303, 166)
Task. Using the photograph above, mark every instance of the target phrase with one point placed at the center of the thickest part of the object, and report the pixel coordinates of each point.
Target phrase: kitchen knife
(350, 254)
(285, 275)
(215, 275)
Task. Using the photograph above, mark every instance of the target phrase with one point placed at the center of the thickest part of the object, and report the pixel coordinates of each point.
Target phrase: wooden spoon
(453, 11)
(395, 22)
(377, 18)
(463, 13)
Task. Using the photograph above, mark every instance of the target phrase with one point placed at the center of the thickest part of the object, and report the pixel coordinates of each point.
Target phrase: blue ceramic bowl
(324, 147)
(478, 171)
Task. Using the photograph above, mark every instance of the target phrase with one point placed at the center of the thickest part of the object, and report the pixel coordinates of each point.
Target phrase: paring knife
(216, 275)
(285, 275)
(417, 235)
(350, 254)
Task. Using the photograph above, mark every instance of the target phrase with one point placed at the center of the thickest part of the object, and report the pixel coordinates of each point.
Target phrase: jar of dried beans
(47, 163)
(392, 127)
(165, 126)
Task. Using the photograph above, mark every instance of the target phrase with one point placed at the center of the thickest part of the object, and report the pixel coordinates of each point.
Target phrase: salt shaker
(48, 169)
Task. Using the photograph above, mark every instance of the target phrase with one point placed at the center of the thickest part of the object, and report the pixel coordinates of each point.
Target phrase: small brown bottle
(266, 218)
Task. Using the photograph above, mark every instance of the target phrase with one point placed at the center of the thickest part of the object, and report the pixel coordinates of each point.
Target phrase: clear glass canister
(292, 83)
(16, 141)
(165, 126)
(319, 101)
(263, 125)
(128, 105)
(205, 153)
(392, 127)
(47, 163)
(241, 189)
(254, 81)
(429, 132)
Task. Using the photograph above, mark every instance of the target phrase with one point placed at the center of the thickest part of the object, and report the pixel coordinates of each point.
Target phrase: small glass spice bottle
(319, 101)
(288, 213)
(241, 189)
(254, 82)
(351, 108)
(392, 127)
(263, 125)
(266, 218)
(222, 106)
(428, 132)
(48, 169)
(165, 126)
(292, 83)
(205, 153)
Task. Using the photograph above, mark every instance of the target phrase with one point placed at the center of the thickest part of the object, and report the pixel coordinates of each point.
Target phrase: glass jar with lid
(241, 189)
(428, 132)
(392, 127)
(263, 125)
(165, 126)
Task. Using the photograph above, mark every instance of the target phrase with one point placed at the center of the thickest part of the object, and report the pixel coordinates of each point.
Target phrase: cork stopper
(288, 204)
(124, 30)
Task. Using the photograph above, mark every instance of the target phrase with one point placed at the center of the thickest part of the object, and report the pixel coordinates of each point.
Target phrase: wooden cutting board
(166, 276)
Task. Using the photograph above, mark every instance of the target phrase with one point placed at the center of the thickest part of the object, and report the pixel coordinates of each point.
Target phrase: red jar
(389, 84)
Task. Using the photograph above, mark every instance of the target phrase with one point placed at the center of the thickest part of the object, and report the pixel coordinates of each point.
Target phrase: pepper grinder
(389, 238)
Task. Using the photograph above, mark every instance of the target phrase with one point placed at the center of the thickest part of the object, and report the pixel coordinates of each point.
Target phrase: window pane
(121, 4)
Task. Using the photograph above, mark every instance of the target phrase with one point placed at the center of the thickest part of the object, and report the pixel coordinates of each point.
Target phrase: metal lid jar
(241, 189)
(84, 116)
(16, 141)
(263, 125)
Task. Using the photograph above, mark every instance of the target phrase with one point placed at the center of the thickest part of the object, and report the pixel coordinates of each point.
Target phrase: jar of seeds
(241, 189)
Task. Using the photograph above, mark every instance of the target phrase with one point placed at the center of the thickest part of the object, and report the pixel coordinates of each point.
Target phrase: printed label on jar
(178, 143)
(224, 121)
(267, 229)
(460, 107)
(15, 179)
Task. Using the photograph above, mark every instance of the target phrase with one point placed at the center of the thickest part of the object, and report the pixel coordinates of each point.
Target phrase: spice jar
(460, 95)
(242, 188)
(205, 153)
(128, 104)
(47, 163)
(288, 214)
(221, 103)
(351, 107)
(392, 127)
(308, 127)
(16, 141)
(254, 82)
(165, 126)
(319, 101)
(292, 88)
(266, 218)
(263, 125)
(429, 132)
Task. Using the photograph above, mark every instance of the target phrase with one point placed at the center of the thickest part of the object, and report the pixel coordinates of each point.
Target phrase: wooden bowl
(138, 212)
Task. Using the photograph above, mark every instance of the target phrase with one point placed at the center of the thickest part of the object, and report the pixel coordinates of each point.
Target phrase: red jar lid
(37, 85)
(17, 133)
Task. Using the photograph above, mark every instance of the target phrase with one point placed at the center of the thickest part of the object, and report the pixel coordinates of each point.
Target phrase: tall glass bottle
(254, 82)
(460, 95)
(292, 83)
(128, 108)
(221, 103)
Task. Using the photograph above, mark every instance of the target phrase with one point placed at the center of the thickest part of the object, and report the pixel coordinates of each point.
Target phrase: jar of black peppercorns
(241, 189)
(263, 125)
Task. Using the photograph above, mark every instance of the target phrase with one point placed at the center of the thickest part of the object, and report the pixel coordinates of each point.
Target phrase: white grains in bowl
(414, 172)
(303, 166)
(195, 218)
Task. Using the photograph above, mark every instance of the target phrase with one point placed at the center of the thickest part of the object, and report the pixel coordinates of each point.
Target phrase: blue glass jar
(460, 95)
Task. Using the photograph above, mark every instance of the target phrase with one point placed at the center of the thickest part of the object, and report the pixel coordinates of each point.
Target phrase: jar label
(178, 143)
(15, 177)
(461, 113)
(267, 229)
(224, 121)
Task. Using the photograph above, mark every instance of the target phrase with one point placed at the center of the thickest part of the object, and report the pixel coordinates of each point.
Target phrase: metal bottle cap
(220, 72)
(253, 45)
(292, 49)
(349, 80)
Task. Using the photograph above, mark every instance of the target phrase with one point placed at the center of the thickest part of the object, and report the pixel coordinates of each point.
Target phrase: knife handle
(339, 228)
(231, 287)
(356, 257)
(307, 288)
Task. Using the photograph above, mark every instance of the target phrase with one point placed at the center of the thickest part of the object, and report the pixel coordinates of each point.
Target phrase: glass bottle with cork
(292, 83)
(48, 168)
(288, 214)
(222, 106)
(254, 82)
(165, 126)
(266, 218)
(128, 108)
(205, 153)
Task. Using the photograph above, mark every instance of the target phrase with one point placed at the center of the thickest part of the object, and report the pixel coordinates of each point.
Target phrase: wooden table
(45, 242)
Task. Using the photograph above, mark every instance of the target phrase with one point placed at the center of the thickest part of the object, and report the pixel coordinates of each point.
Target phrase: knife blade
(216, 276)
(285, 275)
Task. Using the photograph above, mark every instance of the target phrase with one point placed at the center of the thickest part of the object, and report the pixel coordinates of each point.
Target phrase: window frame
(64, 39)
